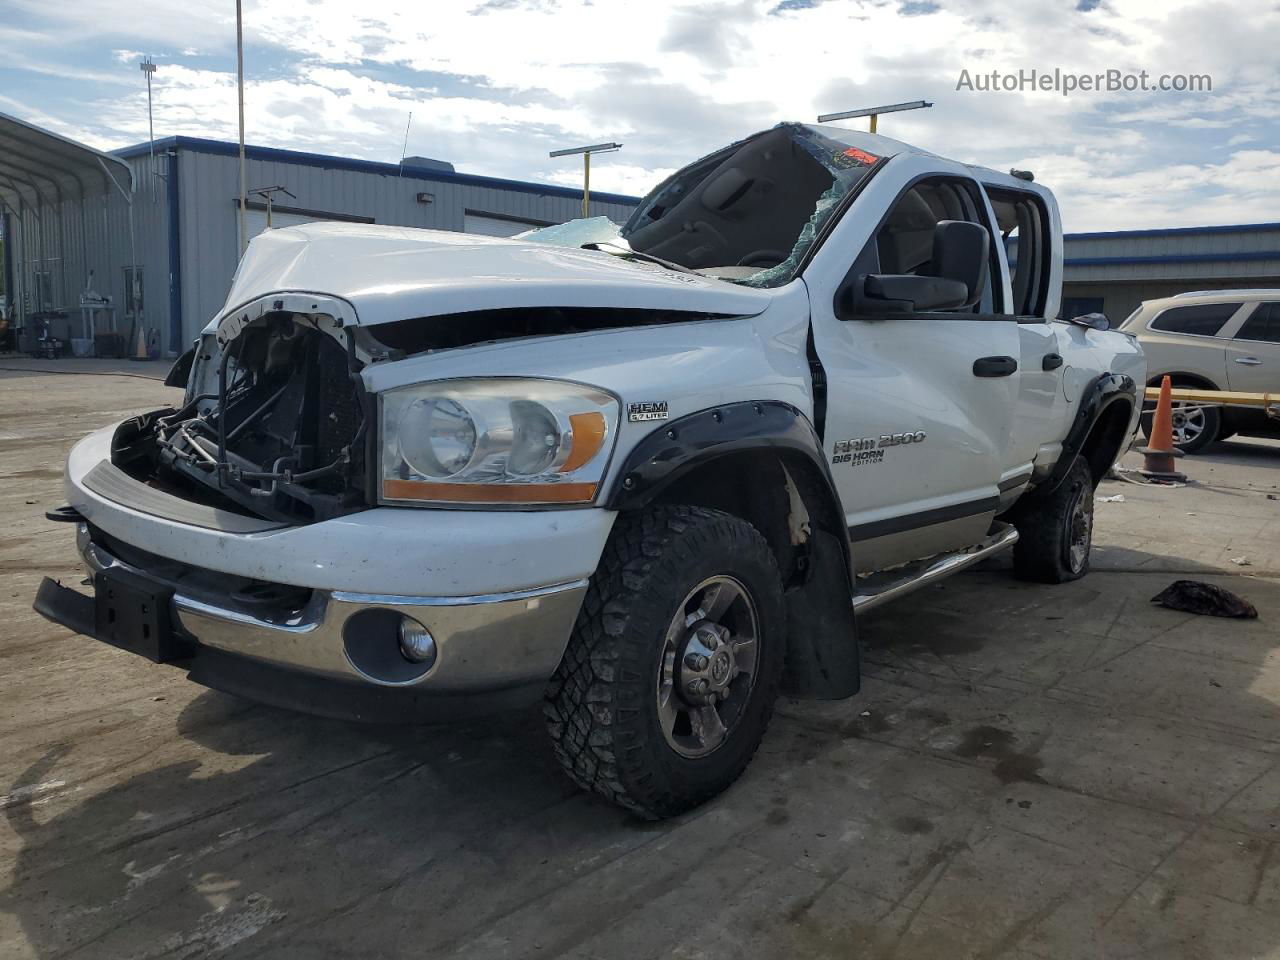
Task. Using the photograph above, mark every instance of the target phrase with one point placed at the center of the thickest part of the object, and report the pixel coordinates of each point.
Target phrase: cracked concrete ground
(1029, 772)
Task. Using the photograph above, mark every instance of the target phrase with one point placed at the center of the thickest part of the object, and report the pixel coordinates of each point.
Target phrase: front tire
(670, 676)
(1055, 532)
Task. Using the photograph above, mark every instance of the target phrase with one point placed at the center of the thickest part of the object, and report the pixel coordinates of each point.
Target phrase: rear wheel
(1194, 427)
(670, 677)
(1055, 531)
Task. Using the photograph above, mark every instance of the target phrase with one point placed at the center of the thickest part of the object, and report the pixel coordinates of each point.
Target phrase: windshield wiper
(620, 251)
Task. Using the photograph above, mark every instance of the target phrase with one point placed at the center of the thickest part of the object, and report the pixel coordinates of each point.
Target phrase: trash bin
(109, 345)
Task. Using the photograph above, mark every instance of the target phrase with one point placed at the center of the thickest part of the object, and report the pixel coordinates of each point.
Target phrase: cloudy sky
(494, 84)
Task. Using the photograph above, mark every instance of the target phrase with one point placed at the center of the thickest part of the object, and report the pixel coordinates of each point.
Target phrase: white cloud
(494, 84)
(1095, 190)
(157, 22)
(621, 177)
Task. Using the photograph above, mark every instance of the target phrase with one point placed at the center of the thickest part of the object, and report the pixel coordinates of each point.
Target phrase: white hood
(396, 273)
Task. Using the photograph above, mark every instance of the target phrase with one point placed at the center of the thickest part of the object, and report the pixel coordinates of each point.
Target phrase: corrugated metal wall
(1125, 268)
(209, 185)
(1208, 253)
(69, 237)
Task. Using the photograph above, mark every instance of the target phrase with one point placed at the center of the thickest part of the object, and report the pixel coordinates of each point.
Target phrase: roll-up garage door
(496, 226)
(255, 221)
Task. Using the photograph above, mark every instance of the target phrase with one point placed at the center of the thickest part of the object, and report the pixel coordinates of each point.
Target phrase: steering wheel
(762, 258)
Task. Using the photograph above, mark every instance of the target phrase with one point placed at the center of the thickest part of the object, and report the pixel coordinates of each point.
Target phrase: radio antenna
(405, 149)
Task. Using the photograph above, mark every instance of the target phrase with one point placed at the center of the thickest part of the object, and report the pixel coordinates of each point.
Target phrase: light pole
(240, 95)
(586, 165)
(874, 112)
(268, 197)
(148, 68)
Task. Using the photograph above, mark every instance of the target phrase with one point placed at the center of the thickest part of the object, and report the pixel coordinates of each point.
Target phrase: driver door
(919, 406)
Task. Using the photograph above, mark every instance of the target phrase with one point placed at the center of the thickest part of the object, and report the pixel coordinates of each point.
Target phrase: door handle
(1249, 361)
(994, 366)
(1051, 361)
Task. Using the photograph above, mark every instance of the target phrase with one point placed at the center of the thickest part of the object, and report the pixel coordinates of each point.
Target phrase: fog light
(416, 643)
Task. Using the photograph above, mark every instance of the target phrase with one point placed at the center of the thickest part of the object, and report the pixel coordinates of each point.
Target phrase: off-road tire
(1045, 529)
(600, 707)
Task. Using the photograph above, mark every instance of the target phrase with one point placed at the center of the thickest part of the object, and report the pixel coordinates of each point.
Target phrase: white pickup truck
(648, 476)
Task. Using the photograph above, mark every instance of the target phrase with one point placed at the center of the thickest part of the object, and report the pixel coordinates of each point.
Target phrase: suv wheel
(1194, 428)
(1055, 532)
(670, 677)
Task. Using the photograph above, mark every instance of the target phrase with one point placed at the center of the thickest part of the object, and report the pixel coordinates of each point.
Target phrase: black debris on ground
(1196, 596)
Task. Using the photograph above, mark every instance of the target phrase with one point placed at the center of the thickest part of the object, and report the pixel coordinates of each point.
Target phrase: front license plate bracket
(132, 612)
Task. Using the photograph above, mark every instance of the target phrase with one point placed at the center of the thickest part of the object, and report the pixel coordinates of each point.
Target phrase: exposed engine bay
(275, 424)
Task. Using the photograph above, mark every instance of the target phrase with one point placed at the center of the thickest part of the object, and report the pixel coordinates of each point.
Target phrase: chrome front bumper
(483, 643)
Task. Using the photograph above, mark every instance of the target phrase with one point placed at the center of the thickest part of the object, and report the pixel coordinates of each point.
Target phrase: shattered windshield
(575, 233)
(748, 213)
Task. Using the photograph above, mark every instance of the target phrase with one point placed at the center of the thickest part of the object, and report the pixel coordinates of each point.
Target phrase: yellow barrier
(1221, 398)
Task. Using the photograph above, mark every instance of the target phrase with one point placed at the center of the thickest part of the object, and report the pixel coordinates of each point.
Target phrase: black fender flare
(1105, 390)
(822, 647)
(683, 445)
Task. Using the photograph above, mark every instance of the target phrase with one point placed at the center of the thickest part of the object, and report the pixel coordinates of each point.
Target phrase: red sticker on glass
(861, 155)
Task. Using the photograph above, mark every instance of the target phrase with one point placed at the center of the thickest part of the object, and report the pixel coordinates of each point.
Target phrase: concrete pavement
(1029, 772)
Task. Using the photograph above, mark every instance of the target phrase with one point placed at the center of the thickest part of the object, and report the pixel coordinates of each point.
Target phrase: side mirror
(180, 372)
(1094, 321)
(961, 252)
(954, 277)
(906, 293)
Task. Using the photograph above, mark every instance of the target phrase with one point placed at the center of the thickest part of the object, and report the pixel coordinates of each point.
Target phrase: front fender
(681, 446)
(1096, 399)
(822, 652)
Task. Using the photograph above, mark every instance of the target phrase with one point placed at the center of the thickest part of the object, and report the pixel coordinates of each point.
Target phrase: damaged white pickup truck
(647, 476)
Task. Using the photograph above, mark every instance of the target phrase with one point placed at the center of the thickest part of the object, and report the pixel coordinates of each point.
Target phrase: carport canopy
(38, 167)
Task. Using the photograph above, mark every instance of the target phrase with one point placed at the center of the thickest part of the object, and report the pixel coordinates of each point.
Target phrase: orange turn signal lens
(489, 492)
(588, 437)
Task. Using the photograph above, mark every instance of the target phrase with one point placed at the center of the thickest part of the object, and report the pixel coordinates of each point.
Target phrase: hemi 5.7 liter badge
(647, 410)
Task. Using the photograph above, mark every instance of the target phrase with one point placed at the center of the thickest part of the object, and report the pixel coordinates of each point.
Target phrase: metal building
(132, 239)
(65, 208)
(183, 206)
(1113, 273)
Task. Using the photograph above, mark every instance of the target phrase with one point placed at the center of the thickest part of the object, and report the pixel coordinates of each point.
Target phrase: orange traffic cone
(1159, 454)
(140, 346)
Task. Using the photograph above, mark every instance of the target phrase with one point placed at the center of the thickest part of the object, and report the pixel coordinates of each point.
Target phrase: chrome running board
(880, 588)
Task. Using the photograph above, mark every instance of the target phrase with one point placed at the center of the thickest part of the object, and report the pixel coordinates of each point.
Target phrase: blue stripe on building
(223, 148)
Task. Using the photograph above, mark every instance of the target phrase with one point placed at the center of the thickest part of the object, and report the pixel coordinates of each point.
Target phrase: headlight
(495, 441)
(440, 439)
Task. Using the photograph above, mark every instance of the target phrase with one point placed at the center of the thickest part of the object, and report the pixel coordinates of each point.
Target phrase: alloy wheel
(708, 667)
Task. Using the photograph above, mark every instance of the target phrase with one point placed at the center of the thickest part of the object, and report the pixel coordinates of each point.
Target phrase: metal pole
(240, 93)
(586, 167)
(874, 112)
(151, 127)
(133, 249)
